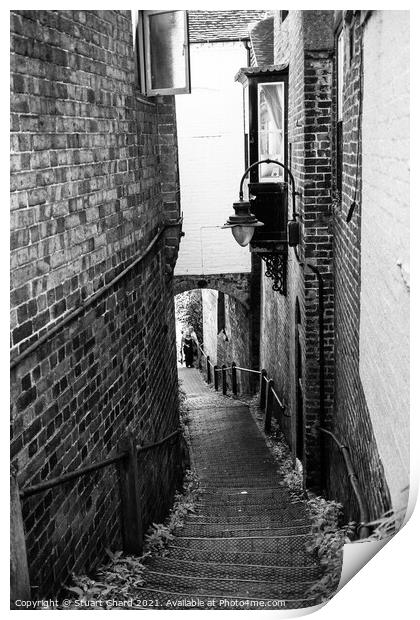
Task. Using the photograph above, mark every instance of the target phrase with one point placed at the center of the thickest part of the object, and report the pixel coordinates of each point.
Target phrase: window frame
(253, 101)
(149, 90)
(139, 51)
(281, 172)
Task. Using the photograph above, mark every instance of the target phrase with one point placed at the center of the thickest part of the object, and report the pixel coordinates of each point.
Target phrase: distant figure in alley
(189, 345)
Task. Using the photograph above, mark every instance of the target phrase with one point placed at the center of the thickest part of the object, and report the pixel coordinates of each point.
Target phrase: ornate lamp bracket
(276, 269)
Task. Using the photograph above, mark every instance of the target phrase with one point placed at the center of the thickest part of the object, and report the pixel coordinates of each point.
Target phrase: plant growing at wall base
(326, 541)
(160, 534)
(388, 524)
(119, 578)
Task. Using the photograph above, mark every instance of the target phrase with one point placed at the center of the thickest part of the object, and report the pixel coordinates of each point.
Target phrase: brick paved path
(246, 540)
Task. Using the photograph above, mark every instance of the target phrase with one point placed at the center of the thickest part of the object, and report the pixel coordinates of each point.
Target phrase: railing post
(224, 379)
(268, 407)
(234, 380)
(263, 387)
(216, 377)
(208, 369)
(132, 530)
(20, 588)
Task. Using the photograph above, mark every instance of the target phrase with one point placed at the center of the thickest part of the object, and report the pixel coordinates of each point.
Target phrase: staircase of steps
(244, 547)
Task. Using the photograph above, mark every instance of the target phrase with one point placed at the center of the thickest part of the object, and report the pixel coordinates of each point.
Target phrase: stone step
(253, 455)
(239, 571)
(226, 531)
(250, 558)
(268, 491)
(222, 586)
(255, 513)
(243, 497)
(237, 486)
(289, 547)
(221, 511)
(259, 470)
(255, 479)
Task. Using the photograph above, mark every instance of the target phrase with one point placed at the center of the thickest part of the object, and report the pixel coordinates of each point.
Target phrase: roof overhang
(247, 72)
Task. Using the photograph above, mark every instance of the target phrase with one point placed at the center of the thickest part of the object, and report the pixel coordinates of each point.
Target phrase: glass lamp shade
(243, 234)
(242, 222)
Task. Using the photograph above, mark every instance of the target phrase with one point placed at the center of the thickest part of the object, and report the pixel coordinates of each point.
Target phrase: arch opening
(222, 327)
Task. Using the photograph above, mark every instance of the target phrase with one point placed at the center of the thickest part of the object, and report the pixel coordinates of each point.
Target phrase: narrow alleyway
(246, 540)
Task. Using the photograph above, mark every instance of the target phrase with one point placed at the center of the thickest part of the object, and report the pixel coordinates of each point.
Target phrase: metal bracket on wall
(276, 269)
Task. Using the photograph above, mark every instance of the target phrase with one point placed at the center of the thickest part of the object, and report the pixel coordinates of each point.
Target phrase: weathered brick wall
(317, 211)
(238, 346)
(234, 344)
(94, 173)
(352, 421)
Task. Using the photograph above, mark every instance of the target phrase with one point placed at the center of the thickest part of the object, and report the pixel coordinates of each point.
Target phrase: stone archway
(237, 285)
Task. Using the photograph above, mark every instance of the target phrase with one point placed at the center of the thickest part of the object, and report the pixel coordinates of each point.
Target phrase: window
(265, 121)
(162, 52)
(271, 129)
(340, 86)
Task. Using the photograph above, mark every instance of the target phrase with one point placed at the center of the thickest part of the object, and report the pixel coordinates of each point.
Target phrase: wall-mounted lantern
(262, 222)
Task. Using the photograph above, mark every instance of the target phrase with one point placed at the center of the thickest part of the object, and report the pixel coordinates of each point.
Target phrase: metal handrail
(73, 314)
(280, 402)
(258, 372)
(87, 469)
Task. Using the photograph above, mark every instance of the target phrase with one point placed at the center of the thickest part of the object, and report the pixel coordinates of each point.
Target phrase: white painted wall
(211, 160)
(210, 297)
(384, 321)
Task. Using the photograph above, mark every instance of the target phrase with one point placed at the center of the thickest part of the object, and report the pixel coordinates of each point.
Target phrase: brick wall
(237, 347)
(94, 174)
(227, 334)
(317, 211)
